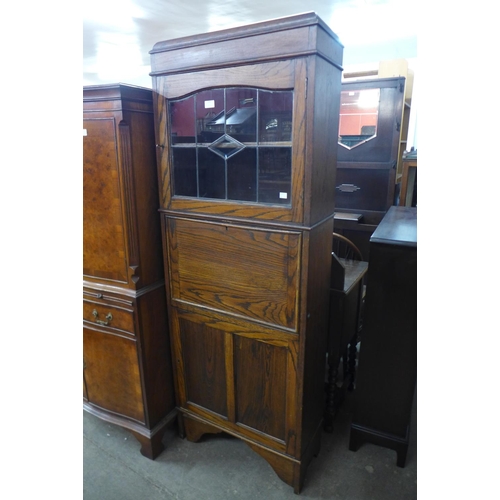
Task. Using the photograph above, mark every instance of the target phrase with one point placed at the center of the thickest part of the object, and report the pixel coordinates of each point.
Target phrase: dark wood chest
(388, 351)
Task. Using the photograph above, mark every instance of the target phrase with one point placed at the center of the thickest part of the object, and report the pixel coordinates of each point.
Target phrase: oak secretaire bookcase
(244, 125)
(127, 365)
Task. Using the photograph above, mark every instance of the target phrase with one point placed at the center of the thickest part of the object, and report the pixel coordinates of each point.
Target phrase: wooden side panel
(324, 139)
(143, 190)
(103, 226)
(246, 272)
(156, 355)
(314, 344)
(300, 140)
(112, 374)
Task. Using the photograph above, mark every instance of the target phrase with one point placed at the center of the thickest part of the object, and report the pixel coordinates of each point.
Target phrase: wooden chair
(346, 299)
(345, 249)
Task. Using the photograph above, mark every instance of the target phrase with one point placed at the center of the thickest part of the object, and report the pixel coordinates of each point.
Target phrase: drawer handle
(109, 317)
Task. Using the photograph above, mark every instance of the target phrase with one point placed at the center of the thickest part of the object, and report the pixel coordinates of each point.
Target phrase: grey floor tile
(221, 467)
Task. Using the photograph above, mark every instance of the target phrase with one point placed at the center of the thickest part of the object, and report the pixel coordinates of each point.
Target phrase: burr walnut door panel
(111, 374)
(245, 272)
(238, 376)
(103, 224)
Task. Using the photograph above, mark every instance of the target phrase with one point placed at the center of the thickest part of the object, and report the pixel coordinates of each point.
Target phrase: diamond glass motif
(226, 146)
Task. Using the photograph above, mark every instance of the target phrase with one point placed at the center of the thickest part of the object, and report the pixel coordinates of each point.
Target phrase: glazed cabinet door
(231, 143)
(111, 374)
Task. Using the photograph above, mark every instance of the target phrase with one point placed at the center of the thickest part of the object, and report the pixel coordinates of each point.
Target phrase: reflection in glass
(275, 172)
(358, 116)
(241, 176)
(211, 175)
(182, 122)
(209, 105)
(275, 110)
(241, 116)
(233, 144)
(184, 161)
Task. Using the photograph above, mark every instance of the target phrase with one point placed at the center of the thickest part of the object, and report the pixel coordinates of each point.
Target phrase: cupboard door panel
(203, 355)
(103, 226)
(247, 272)
(238, 375)
(111, 372)
(260, 378)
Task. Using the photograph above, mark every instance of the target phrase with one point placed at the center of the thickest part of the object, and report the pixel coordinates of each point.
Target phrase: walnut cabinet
(244, 120)
(127, 371)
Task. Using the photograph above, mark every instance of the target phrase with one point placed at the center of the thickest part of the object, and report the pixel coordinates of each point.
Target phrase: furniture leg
(360, 435)
(152, 446)
(330, 396)
(345, 367)
(352, 362)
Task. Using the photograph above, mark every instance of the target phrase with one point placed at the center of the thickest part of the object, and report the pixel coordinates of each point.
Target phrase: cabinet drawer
(365, 188)
(108, 316)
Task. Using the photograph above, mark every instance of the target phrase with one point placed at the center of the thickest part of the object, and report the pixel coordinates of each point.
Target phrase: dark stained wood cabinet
(387, 371)
(244, 119)
(127, 370)
(370, 130)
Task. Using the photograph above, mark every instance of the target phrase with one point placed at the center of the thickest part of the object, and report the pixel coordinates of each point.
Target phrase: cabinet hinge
(401, 87)
(306, 88)
(398, 126)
